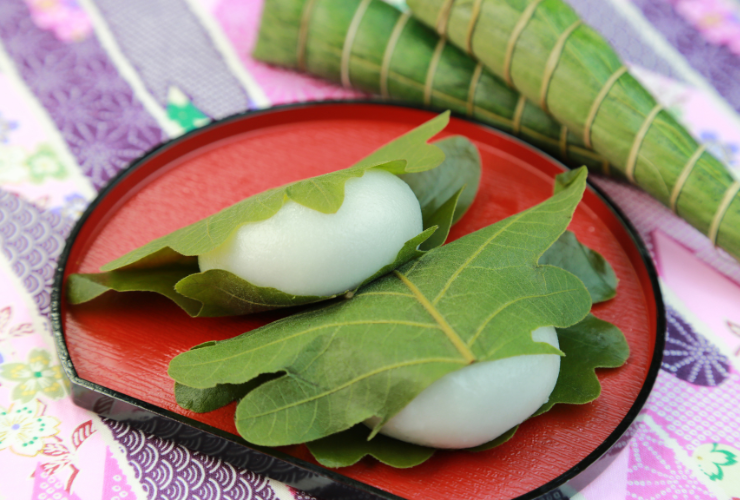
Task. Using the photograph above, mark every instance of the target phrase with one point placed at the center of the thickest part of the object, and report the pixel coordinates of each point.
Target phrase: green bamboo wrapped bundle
(544, 50)
(372, 46)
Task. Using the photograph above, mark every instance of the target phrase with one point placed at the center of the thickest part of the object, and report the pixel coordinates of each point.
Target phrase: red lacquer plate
(121, 343)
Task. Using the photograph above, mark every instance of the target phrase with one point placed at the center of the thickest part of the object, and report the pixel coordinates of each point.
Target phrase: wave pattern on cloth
(169, 470)
(92, 106)
(169, 47)
(31, 240)
(206, 444)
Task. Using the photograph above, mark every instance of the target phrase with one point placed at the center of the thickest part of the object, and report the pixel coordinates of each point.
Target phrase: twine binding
(727, 200)
(303, 33)
(471, 26)
(518, 112)
(388, 54)
(552, 63)
(564, 142)
(637, 144)
(514, 38)
(429, 82)
(598, 102)
(606, 168)
(443, 17)
(473, 86)
(349, 40)
(683, 176)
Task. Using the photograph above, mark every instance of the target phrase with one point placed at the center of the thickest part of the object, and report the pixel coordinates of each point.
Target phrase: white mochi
(304, 252)
(478, 403)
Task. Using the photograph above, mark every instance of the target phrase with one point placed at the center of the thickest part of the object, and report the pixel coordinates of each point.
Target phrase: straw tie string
(552, 63)
(637, 144)
(724, 205)
(683, 177)
(443, 18)
(429, 82)
(473, 86)
(349, 40)
(388, 54)
(606, 168)
(514, 38)
(518, 112)
(303, 33)
(564, 142)
(474, 15)
(597, 104)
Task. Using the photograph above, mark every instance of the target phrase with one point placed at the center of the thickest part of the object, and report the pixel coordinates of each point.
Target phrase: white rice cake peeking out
(304, 252)
(478, 403)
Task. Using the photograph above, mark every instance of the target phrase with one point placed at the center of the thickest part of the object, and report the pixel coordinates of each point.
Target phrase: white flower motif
(24, 427)
(12, 164)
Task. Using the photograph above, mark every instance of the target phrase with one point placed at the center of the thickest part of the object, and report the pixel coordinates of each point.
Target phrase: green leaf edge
(322, 451)
(272, 200)
(188, 291)
(332, 462)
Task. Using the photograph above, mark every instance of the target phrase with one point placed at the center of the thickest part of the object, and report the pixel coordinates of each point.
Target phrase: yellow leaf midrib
(451, 334)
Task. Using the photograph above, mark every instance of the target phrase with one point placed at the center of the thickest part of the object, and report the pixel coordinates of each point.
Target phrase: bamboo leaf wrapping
(386, 52)
(544, 50)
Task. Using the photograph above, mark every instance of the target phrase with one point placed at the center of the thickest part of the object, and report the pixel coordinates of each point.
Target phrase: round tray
(121, 343)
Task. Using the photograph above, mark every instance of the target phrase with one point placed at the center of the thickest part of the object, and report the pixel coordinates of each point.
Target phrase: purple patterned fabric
(715, 62)
(31, 240)
(149, 32)
(208, 444)
(624, 36)
(92, 106)
(169, 471)
(691, 357)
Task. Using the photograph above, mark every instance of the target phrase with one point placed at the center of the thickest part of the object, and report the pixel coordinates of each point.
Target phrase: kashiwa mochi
(478, 403)
(305, 252)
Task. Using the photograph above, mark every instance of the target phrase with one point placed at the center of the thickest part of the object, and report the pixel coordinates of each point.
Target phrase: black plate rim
(590, 459)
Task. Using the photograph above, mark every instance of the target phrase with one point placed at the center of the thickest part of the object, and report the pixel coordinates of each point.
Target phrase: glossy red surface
(125, 341)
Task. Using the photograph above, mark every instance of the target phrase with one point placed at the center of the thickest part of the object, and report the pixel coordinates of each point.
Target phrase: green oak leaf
(588, 345)
(84, 287)
(583, 271)
(476, 299)
(599, 344)
(503, 438)
(589, 265)
(213, 398)
(223, 294)
(406, 154)
(205, 400)
(155, 266)
(349, 447)
(461, 169)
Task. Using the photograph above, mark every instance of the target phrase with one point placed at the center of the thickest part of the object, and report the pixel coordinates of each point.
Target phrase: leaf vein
(443, 324)
(359, 379)
(473, 256)
(320, 327)
(509, 304)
